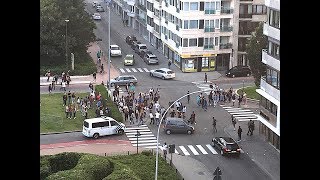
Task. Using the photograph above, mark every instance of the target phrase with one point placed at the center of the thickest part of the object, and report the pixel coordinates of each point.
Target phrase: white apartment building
(270, 84)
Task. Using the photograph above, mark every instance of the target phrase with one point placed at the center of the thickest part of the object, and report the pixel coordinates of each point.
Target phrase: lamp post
(156, 173)
(109, 56)
(67, 20)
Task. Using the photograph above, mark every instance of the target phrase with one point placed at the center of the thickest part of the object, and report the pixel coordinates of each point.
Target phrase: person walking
(239, 100)
(157, 118)
(165, 148)
(205, 78)
(249, 127)
(192, 118)
(188, 96)
(102, 69)
(233, 121)
(239, 133)
(64, 99)
(184, 110)
(67, 111)
(63, 85)
(214, 124)
(233, 98)
(169, 64)
(151, 118)
(94, 76)
(48, 74)
(50, 88)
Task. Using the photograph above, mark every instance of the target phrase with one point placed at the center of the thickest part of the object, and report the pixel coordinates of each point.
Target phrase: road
(233, 168)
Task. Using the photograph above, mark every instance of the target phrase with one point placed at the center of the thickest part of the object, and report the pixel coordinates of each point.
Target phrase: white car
(163, 73)
(96, 16)
(115, 50)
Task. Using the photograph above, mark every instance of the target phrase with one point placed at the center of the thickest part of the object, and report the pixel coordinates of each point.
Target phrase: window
(192, 42)
(217, 24)
(208, 43)
(216, 41)
(274, 50)
(86, 124)
(186, 6)
(274, 18)
(209, 8)
(185, 42)
(113, 123)
(194, 6)
(201, 6)
(273, 77)
(193, 24)
(259, 9)
(200, 42)
(218, 5)
(185, 24)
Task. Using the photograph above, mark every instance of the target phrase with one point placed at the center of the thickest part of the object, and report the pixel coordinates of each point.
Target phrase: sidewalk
(92, 50)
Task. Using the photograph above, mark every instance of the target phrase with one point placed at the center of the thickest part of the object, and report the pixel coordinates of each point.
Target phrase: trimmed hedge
(115, 113)
(72, 174)
(122, 171)
(45, 169)
(63, 161)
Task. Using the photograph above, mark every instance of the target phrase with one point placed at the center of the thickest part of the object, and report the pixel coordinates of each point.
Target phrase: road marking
(146, 144)
(175, 151)
(128, 69)
(245, 110)
(247, 117)
(202, 149)
(185, 152)
(211, 149)
(134, 70)
(143, 138)
(152, 147)
(134, 130)
(146, 69)
(122, 70)
(244, 115)
(143, 141)
(241, 113)
(139, 69)
(137, 128)
(195, 152)
(140, 133)
(143, 135)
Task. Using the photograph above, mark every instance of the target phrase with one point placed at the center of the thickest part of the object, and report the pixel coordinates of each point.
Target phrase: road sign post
(138, 134)
(217, 174)
(172, 148)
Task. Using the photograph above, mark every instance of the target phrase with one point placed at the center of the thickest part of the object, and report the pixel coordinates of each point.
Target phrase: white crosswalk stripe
(203, 86)
(134, 70)
(240, 114)
(146, 138)
(194, 151)
(202, 149)
(185, 152)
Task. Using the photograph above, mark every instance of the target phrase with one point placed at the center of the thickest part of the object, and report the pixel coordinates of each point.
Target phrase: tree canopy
(256, 43)
(53, 14)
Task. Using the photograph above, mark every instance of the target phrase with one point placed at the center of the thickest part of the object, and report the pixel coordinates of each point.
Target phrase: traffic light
(172, 148)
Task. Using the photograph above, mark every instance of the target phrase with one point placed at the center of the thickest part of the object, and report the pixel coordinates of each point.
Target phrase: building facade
(269, 90)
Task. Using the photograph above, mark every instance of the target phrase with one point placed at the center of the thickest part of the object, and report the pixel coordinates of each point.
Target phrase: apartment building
(270, 84)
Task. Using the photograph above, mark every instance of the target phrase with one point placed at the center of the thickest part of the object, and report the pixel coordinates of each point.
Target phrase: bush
(72, 174)
(115, 113)
(45, 169)
(63, 161)
(147, 152)
(122, 171)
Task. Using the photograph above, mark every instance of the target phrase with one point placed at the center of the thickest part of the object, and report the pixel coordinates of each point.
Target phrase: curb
(50, 133)
(250, 99)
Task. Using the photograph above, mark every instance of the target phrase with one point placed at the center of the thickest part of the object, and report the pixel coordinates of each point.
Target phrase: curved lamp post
(156, 174)
(67, 20)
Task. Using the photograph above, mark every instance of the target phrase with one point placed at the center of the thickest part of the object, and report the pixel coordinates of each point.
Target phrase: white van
(102, 126)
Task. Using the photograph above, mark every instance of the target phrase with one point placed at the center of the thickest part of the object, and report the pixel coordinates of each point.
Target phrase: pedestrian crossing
(203, 86)
(146, 138)
(240, 114)
(133, 70)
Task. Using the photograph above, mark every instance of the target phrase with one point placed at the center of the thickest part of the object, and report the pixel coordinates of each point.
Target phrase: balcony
(177, 10)
(167, 4)
(226, 28)
(245, 15)
(208, 47)
(177, 28)
(208, 29)
(177, 44)
(269, 60)
(142, 20)
(142, 7)
(225, 46)
(269, 89)
(166, 21)
(226, 11)
(209, 11)
(166, 37)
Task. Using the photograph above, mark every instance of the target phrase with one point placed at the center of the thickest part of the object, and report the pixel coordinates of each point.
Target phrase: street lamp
(156, 174)
(67, 20)
(109, 56)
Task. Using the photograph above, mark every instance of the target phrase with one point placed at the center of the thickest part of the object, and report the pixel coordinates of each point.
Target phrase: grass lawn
(251, 92)
(53, 117)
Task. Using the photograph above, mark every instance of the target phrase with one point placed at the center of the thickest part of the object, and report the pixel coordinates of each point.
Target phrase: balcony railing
(226, 11)
(142, 7)
(141, 20)
(225, 46)
(226, 28)
(245, 15)
(177, 10)
(208, 47)
(209, 29)
(177, 44)
(167, 4)
(177, 28)
(209, 11)
(166, 37)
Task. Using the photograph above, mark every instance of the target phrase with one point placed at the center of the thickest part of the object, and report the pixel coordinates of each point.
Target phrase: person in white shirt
(151, 118)
(157, 117)
(165, 148)
(184, 110)
(157, 106)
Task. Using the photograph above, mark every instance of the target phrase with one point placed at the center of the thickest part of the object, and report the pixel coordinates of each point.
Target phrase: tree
(256, 43)
(53, 14)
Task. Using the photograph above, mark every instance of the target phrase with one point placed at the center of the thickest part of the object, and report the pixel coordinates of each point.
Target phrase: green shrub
(45, 169)
(115, 113)
(98, 166)
(63, 161)
(147, 152)
(122, 171)
(72, 174)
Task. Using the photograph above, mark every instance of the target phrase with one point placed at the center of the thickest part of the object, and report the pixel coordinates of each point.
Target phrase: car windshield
(86, 124)
(129, 58)
(232, 146)
(153, 57)
(143, 47)
(96, 14)
(170, 72)
(115, 48)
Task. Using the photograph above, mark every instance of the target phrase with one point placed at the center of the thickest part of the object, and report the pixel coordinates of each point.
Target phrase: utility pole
(67, 64)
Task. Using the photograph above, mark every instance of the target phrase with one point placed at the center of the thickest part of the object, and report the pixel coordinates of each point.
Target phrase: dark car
(226, 145)
(239, 71)
(134, 44)
(143, 53)
(177, 125)
(130, 39)
(123, 80)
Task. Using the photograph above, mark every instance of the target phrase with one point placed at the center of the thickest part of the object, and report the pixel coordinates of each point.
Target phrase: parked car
(163, 73)
(150, 58)
(226, 145)
(177, 125)
(139, 48)
(130, 39)
(129, 60)
(239, 71)
(123, 80)
(96, 16)
(135, 44)
(99, 8)
(115, 50)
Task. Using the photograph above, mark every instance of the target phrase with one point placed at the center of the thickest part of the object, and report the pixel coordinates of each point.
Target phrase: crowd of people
(63, 80)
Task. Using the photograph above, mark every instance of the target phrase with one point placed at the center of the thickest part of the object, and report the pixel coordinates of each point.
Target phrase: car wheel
(189, 132)
(233, 75)
(163, 78)
(95, 135)
(151, 74)
(120, 132)
(168, 132)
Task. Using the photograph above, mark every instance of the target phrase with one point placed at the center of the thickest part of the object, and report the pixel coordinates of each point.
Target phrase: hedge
(122, 171)
(115, 113)
(63, 161)
(72, 174)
